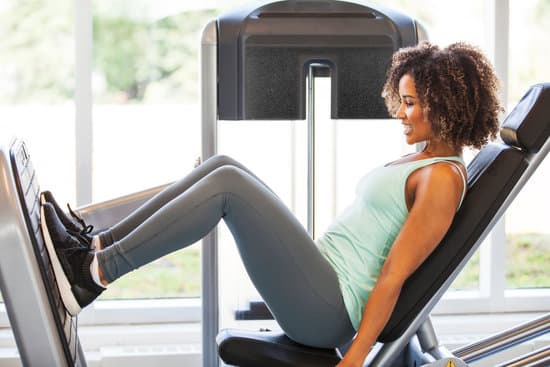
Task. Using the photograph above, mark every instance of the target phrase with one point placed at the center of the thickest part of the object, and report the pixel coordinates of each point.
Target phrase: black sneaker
(76, 226)
(71, 261)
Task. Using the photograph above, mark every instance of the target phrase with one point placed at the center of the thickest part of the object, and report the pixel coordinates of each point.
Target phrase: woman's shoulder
(426, 160)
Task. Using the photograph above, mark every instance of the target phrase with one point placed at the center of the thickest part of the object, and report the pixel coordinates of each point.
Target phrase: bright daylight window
(527, 232)
(345, 151)
(444, 26)
(37, 87)
(146, 119)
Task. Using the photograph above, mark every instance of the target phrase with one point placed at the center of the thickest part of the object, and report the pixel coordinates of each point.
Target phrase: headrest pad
(528, 125)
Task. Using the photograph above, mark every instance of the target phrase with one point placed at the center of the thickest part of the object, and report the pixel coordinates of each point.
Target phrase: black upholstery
(525, 125)
(492, 175)
(270, 349)
(487, 189)
(264, 54)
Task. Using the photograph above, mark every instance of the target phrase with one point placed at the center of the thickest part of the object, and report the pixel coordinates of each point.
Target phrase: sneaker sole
(63, 284)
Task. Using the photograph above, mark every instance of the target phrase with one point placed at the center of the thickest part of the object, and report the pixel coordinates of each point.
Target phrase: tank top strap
(454, 161)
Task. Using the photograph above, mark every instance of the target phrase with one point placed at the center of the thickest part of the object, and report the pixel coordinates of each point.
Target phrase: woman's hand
(347, 363)
(350, 364)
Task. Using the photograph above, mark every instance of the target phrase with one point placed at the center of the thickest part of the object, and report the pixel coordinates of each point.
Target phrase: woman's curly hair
(457, 88)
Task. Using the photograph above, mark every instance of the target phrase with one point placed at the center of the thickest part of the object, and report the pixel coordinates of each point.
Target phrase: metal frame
(209, 119)
(537, 358)
(389, 352)
(311, 135)
(209, 254)
(29, 309)
(498, 20)
(105, 213)
(83, 100)
(504, 340)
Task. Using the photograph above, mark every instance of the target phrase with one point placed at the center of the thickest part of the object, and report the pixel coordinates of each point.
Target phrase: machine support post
(311, 150)
(209, 257)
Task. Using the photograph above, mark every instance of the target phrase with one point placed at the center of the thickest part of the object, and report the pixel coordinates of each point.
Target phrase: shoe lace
(82, 238)
(86, 228)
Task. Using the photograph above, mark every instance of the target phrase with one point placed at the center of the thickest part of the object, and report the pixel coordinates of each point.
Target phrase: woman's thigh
(298, 284)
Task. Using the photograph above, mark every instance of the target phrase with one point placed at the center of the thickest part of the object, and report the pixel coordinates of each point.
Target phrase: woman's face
(417, 127)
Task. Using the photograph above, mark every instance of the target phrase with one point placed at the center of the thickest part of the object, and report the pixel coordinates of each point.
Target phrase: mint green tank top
(359, 240)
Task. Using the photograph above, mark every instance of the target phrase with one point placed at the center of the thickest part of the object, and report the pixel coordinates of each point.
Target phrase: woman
(347, 283)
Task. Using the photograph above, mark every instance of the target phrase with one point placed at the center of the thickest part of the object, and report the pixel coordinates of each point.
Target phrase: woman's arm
(437, 195)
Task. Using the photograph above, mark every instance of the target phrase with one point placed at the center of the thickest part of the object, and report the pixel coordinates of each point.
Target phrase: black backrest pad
(264, 55)
(523, 127)
(491, 176)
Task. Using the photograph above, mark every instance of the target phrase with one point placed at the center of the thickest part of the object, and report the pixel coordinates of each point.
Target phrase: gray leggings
(298, 284)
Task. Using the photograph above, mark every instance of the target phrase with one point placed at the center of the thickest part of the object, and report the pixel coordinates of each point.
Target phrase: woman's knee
(230, 174)
(222, 160)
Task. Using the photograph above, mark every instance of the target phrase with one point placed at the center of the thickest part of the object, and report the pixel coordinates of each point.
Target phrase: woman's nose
(400, 114)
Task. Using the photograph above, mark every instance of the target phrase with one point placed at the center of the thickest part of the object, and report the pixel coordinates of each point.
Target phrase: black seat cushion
(270, 349)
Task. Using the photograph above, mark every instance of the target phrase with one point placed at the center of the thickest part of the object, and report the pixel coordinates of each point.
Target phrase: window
(146, 120)
(527, 233)
(145, 123)
(446, 23)
(37, 87)
(480, 286)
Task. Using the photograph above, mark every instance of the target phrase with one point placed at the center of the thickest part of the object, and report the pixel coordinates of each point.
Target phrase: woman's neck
(440, 149)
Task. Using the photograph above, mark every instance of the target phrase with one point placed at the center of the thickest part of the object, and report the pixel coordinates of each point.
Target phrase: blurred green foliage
(178, 274)
(527, 263)
(175, 275)
(154, 61)
(36, 51)
(528, 260)
(135, 58)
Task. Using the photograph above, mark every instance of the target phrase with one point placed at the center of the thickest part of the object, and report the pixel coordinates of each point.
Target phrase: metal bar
(493, 254)
(426, 336)
(104, 214)
(311, 150)
(83, 101)
(537, 358)
(504, 339)
(387, 355)
(310, 115)
(414, 355)
(209, 253)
